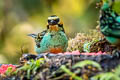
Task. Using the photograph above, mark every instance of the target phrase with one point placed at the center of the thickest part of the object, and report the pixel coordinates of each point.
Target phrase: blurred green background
(20, 17)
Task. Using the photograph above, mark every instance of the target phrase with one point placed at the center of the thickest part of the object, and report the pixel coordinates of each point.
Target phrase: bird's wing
(113, 33)
(118, 19)
(40, 37)
(111, 29)
(107, 31)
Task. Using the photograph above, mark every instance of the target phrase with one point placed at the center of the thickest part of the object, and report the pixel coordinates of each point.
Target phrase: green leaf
(106, 76)
(63, 67)
(9, 70)
(87, 62)
(28, 73)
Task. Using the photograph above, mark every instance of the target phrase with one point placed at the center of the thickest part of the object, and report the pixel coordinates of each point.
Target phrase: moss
(78, 42)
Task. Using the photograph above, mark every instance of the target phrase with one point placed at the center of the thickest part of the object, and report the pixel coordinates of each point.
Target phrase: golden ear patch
(60, 22)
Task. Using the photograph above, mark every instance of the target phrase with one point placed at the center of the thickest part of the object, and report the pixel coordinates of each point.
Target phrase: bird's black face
(53, 20)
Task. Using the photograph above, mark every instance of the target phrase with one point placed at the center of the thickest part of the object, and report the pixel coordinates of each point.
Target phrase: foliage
(108, 75)
(105, 76)
(73, 75)
(87, 62)
(81, 64)
(87, 45)
(31, 66)
(10, 71)
(113, 75)
(7, 70)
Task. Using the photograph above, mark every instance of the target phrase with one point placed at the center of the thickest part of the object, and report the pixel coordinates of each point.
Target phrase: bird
(109, 20)
(53, 39)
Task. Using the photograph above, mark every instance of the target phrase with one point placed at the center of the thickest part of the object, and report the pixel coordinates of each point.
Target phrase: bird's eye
(49, 21)
(57, 20)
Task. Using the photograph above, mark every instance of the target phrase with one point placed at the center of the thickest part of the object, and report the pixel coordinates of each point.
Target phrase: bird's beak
(32, 35)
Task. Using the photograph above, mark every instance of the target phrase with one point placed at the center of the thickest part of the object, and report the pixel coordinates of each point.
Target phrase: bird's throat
(53, 28)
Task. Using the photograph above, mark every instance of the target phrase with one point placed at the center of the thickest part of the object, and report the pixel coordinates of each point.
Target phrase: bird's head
(53, 20)
(54, 23)
(105, 4)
